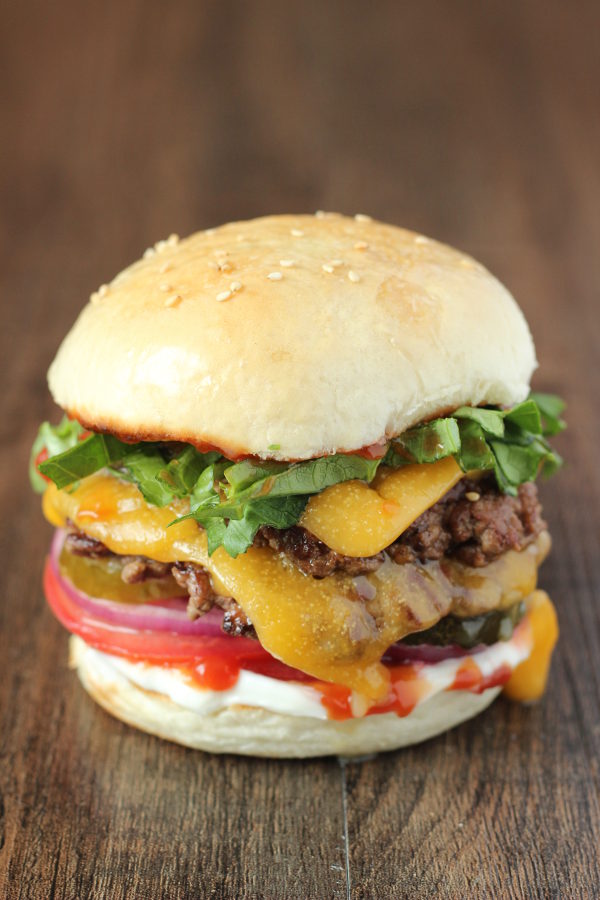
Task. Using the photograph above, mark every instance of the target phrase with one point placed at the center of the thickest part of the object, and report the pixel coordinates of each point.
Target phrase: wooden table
(476, 123)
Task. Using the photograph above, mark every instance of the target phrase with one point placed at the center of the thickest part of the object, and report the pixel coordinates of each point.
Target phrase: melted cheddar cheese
(528, 681)
(327, 628)
(357, 519)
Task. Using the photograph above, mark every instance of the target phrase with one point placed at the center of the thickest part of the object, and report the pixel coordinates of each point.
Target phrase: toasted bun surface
(292, 337)
(253, 731)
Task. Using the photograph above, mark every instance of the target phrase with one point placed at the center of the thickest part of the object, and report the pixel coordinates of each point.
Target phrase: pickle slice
(488, 628)
(102, 578)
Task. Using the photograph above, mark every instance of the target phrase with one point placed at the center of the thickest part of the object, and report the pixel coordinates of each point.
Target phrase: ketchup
(215, 674)
(469, 677)
(406, 689)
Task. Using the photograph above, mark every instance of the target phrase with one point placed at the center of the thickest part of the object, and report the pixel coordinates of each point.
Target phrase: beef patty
(474, 522)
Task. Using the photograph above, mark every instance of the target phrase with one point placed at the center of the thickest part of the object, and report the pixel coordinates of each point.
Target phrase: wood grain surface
(477, 123)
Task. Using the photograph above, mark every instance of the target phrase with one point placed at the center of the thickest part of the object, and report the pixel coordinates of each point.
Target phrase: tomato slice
(215, 662)
(40, 458)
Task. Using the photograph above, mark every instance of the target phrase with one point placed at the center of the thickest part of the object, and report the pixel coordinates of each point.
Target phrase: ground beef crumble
(311, 555)
(80, 544)
(196, 582)
(474, 522)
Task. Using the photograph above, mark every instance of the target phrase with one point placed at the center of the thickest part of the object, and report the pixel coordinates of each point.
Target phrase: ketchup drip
(408, 687)
(215, 674)
(469, 677)
(335, 698)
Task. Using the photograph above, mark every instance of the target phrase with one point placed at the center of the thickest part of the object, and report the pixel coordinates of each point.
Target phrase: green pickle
(489, 628)
(102, 578)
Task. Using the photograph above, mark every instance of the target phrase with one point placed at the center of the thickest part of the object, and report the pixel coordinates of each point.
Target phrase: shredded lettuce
(232, 500)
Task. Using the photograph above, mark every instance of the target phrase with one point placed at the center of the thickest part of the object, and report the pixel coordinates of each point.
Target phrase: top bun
(292, 337)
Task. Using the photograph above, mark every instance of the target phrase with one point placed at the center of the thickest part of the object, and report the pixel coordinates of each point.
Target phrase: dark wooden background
(478, 123)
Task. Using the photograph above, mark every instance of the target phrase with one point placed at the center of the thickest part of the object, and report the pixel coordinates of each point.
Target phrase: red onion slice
(158, 615)
(427, 653)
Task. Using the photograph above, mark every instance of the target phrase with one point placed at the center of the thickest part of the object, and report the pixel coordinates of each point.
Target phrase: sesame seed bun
(292, 337)
(253, 731)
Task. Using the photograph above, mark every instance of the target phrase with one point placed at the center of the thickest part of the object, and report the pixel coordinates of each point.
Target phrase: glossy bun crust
(292, 337)
(252, 731)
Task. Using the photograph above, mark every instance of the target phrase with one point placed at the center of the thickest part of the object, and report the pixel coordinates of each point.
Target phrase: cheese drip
(324, 627)
(528, 681)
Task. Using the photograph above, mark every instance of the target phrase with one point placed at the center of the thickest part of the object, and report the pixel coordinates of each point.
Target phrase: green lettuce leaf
(241, 476)
(315, 475)
(475, 452)
(231, 500)
(184, 470)
(491, 421)
(55, 439)
(280, 513)
(551, 407)
(161, 482)
(249, 480)
(425, 443)
(215, 534)
(525, 416)
(84, 458)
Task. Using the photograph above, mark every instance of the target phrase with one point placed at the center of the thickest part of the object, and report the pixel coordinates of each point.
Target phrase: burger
(293, 490)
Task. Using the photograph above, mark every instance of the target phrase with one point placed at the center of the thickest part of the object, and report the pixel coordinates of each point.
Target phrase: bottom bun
(253, 731)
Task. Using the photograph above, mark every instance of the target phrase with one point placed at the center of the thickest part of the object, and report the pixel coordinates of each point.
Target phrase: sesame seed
(275, 276)
(221, 252)
(421, 239)
(328, 268)
(320, 214)
(224, 295)
(473, 496)
(166, 287)
(149, 252)
(286, 263)
(235, 286)
(103, 290)
(361, 245)
(467, 263)
(174, 300)
(240, 237)
(173, 240)
(95, 298)
(166, 267)
(361, 217)
(209, 231)
(336, 262)
(160, 246)
(297, 232)
(353, 276)
(225, 266)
